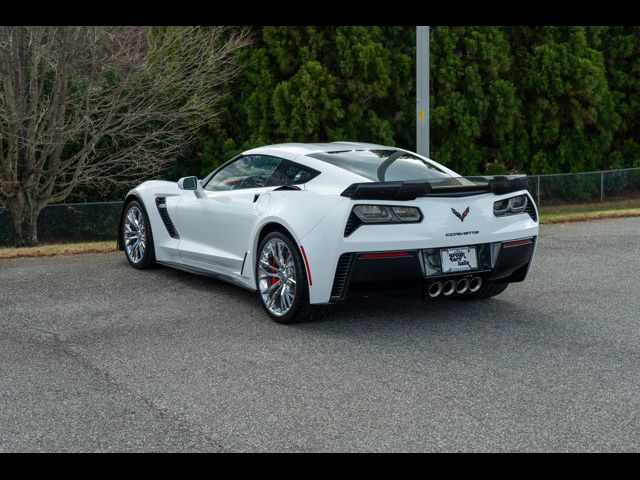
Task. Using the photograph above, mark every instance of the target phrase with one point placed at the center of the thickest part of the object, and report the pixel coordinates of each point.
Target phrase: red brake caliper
(274, 264)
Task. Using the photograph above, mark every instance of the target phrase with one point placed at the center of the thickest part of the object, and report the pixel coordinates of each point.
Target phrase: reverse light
(511, 205)
(407, 214)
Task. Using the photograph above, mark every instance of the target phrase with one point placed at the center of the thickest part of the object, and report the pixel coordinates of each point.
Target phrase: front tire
(281, 279)
(136, 236)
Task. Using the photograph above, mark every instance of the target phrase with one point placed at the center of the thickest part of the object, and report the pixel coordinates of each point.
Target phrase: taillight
(381, 214)
(387, 214)
(372, 213)
(508, 206)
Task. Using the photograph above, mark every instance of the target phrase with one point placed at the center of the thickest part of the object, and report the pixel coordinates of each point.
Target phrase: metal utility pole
(422, 90)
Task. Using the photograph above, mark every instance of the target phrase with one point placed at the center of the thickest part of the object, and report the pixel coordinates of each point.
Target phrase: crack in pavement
(118, 387)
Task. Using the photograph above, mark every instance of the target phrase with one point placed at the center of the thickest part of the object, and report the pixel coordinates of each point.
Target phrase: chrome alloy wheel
(277, 277)
(135, 237)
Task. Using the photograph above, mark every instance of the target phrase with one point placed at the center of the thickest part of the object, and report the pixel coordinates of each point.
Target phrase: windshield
(382, 165)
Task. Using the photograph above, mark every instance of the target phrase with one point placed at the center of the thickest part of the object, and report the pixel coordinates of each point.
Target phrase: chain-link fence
(70, 222)
(99, 221)
(585, 187)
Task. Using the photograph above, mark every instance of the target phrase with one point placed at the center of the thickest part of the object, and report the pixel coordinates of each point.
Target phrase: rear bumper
(326, 243)
(505, 262)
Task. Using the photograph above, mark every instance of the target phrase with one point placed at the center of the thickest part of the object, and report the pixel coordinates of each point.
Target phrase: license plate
(458, 259)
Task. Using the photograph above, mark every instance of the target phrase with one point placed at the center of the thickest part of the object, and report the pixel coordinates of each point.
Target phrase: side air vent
(342, 277)
(352, 223)
(531, 210)
(166, 219)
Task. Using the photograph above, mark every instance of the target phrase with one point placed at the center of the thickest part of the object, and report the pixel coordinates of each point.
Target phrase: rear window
(382, 165)
(291, 173)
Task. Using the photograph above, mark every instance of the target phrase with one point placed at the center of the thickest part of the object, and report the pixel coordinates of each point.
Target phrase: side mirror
(189, 183)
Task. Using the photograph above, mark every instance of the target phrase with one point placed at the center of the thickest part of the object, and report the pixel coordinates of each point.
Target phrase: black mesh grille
(342, 275)
(531, 210)
(352, 223)
(162, 210)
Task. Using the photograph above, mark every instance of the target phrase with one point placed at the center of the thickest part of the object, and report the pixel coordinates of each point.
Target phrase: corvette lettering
(470, 232)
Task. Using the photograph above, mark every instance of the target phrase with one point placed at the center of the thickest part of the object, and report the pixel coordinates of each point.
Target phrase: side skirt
(207, 273)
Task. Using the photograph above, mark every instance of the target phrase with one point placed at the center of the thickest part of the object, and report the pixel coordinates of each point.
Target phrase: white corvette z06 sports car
(309, 224)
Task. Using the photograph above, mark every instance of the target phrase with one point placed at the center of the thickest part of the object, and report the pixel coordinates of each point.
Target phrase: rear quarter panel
(299, 212)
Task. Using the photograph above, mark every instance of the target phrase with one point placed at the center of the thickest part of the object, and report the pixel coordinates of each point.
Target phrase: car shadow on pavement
(395, 311)
(410, 309)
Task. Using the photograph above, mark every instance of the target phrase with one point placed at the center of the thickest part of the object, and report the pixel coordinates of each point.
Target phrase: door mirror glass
(188, 183)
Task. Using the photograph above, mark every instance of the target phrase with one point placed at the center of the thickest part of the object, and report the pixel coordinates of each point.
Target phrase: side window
(290, 173)
(253, 171)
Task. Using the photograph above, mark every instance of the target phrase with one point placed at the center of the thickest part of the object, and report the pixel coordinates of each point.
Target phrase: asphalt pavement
(98, 356)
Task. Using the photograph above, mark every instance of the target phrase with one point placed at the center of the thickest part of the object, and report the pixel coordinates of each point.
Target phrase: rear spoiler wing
(446, 187)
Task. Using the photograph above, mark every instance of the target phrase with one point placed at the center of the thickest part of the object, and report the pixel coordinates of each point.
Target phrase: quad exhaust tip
(435, 289)
(462, 286)
(449, 287)
(475, 284)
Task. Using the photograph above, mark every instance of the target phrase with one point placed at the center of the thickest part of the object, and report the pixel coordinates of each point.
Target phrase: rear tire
(272, 275)
(136, 236)
(488, 290)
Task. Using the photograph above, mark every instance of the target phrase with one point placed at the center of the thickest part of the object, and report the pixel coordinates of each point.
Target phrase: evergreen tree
(620, 47)
(569, 113)
(320, 84)
(503, 99)
(475, 111)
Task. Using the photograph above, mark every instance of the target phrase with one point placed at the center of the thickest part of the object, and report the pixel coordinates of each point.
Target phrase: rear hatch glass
(383, 165)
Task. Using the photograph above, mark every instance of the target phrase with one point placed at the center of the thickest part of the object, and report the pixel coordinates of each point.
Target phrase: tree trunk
(25, 225)
(26, 232)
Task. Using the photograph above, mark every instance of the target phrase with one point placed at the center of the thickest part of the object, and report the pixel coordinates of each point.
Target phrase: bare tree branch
(82, 105)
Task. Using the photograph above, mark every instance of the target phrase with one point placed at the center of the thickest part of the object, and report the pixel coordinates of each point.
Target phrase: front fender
(145, 193)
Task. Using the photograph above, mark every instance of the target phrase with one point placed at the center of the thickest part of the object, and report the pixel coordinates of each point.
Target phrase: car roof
(301, 153)
(292, 150)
